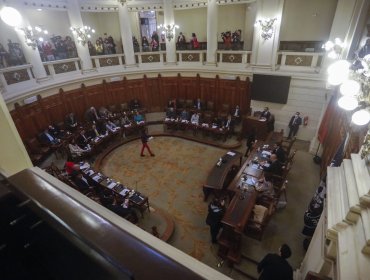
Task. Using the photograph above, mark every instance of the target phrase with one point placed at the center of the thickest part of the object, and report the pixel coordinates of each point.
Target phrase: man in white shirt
(195, 118)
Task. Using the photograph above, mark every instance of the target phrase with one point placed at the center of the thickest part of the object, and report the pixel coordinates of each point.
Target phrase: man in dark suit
(294, 123)
(265, 114)
(71, 122)
(135, 104)
(91, 115)
(83, 139)
(275, 266)
(81, 183)
(198, 104)
(279, 152)
(274, 167)
(216, 210)
(47, 138)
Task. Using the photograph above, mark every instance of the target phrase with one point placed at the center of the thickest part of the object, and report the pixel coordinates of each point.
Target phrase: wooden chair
(210, 106)
(113, 108)
(189, 103)
(124, 107)
(291, 157)
(287, 144)
(181, 104)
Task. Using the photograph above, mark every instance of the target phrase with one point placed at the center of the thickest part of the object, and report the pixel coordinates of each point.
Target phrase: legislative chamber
(126, 125)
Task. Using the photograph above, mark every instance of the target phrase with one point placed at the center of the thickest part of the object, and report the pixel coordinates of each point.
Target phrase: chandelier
(83, 33)
(353, 80)
(334, 49)
(168, 30)
(32, 35)
(267, 27)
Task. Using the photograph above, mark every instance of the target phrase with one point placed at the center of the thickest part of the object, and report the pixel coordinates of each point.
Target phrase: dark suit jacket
(265, 115)
(45, 139)
(274, 168)
(275, 267)
(196, 104)
(81, 184)
(81, 140)
(280, 153)
(297, 122)
(70, 122)
(231, 125)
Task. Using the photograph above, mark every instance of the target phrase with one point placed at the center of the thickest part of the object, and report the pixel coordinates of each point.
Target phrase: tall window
(148, 23)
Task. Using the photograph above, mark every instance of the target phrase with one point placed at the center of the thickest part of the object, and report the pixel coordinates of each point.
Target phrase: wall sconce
(334, 49)
(267, 27)
(82, 33)
(32, 35)
(353, 80)
(168, 30)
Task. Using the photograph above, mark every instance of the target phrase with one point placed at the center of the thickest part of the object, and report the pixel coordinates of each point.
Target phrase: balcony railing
(20, 79)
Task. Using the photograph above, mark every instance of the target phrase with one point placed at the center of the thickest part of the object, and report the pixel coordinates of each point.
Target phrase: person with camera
(226, 37)
(216, 210)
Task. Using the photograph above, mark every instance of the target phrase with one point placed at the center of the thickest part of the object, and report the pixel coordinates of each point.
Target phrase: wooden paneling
(153, 93)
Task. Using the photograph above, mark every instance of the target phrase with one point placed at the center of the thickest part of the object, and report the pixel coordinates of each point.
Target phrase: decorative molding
(190, 57)
(108, 61)
(150, 58)
(298, 60)
(14, 77)
(64, 67)
(232, 58)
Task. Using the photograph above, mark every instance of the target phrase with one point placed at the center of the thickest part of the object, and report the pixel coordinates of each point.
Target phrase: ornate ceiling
(112, 5)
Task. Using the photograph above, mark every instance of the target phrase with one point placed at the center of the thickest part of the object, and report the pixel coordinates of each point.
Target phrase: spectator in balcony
(194, 42)
(135, 44)
(60, 47)
(111, 45)
(155, 41)
(226, 37)
(181, 42)
(71, 47)
(16, 56)
(3, 57)
(47, 48)
(236, 42)
(145, 44)
(99, 47)
(91, 47)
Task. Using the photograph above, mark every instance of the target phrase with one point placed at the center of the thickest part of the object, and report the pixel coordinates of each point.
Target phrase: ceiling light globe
(338, 67)
(11, 16)
(350, 88)
(361, 117)
(348, 103)
(337, 79)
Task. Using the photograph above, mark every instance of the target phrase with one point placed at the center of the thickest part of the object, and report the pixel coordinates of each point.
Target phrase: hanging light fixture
(353, 79)
(33, 35)
(267, 27)
(168, 30)
(83, 34)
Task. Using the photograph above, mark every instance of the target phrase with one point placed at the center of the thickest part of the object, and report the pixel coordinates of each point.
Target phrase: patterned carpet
(173, 181)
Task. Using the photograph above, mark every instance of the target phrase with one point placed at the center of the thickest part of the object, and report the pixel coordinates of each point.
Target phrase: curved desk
(217, 177)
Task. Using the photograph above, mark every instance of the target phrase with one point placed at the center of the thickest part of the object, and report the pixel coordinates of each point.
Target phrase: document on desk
(251, 181)
(96, 178)
(266, 153)
(111, 185)
(124, 192)
(255, 165)
(230, 153)
(84, 166)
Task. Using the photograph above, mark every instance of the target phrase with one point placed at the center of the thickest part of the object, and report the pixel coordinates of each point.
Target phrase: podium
(262, 127)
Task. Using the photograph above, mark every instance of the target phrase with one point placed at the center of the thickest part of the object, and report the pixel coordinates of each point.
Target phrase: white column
(169, 19)
(264, 51)
(212, 22)
(75, 20)
(126, 34)
(32, 55)
(250, 16)
(14, 156)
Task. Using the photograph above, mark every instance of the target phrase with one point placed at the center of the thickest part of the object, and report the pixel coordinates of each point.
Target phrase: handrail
(117, 241)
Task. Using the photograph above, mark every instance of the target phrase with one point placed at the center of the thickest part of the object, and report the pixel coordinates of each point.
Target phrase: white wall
(307, 20)
(104, 23)
(192, 21)
(231, 18)
(305, 96)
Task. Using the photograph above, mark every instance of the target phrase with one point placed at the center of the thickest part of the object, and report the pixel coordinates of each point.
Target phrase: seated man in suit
(125, 121)
(171, 103)
(102, 128)
(135, 104)
(81, 182)
(111, 127)
(171, 113)
(195, 119)
(48, 138)
(83, 139)
(138, 118)
(228, 124)
(91, 115)
(104, 113)
(280, 153)
(198, 104)
(55, 131)
(274, 166)
(265, 115)
(122, 210)
(184, 116)
(71, 122)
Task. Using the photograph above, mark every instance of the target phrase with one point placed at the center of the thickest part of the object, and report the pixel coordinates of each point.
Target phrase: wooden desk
(137, 199)
(261, 127)
(216, 178)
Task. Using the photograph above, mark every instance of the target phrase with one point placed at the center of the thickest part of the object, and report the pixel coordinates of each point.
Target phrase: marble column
(126, 35)
(212, 24)
(264, 51)
(169, 19)
(75, 19)
(32, 55)
(14, 157)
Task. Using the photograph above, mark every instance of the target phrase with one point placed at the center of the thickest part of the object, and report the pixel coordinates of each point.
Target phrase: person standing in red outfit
(144, 140)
